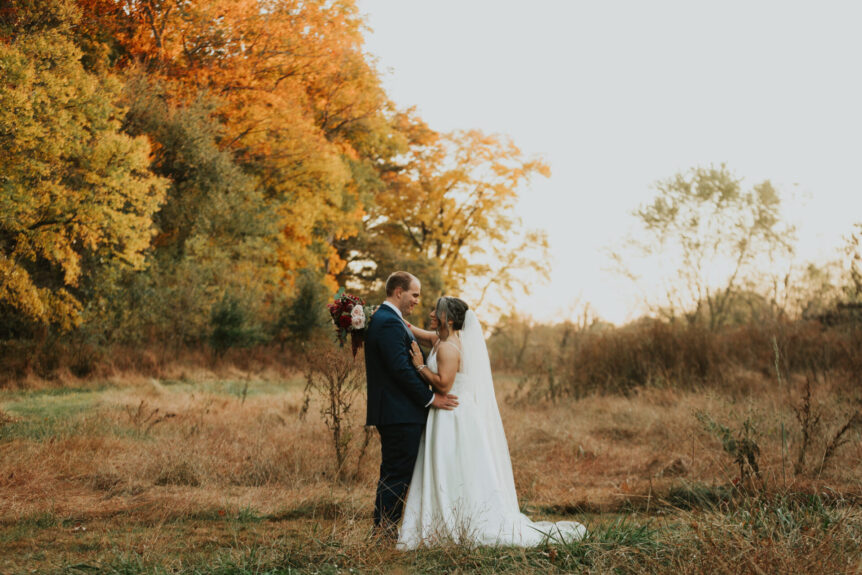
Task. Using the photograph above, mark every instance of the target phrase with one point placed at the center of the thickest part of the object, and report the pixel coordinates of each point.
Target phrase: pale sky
(617, 95)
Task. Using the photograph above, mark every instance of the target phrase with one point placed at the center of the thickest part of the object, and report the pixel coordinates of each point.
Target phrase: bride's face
(434, 323)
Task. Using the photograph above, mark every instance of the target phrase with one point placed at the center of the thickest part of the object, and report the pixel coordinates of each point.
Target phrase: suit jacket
(396, 392)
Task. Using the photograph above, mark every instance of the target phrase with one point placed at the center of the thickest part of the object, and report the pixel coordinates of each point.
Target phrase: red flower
(340, 310)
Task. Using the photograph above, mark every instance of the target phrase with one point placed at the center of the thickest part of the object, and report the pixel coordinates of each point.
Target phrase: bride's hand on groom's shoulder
(445, 401)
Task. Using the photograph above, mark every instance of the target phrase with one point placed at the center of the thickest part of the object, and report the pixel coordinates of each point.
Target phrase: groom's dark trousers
(397, 406)
(399, 446)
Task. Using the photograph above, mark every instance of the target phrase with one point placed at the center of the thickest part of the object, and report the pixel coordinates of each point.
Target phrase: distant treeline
(572, 360)
(206, 173)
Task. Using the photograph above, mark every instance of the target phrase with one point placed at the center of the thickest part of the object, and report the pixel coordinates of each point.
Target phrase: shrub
(232, 326)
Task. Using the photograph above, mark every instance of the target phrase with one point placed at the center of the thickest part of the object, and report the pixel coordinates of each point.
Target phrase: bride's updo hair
(451, 308)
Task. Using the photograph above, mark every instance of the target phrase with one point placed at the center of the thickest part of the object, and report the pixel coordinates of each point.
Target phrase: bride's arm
(447, 367)
(426, 337)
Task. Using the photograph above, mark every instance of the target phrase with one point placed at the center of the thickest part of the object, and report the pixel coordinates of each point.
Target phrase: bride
(463, 490)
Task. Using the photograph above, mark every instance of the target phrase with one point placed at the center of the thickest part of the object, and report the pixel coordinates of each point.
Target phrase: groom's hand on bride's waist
(445, 401)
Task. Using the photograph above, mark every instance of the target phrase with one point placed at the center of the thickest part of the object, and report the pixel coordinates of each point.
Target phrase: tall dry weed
(566, 362)
(337, 377)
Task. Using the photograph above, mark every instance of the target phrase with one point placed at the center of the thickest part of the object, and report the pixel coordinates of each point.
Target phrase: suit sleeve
(398, 364)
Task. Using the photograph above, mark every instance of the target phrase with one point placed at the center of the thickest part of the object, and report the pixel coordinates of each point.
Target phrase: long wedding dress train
(463, 489)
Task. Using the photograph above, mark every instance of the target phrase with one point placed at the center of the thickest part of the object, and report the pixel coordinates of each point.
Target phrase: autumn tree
(715, 234)
(304, 113)
(298, 100)
(215, 233)
(74, 189)
(450, 200)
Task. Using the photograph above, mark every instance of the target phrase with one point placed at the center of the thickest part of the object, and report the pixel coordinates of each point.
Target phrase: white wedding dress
(463, 490)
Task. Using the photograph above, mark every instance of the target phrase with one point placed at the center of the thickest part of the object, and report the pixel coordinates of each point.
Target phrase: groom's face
(407, 300)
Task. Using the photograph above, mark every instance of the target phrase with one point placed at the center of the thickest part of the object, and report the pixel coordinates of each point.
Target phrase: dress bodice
(460, 386)
(431, 362)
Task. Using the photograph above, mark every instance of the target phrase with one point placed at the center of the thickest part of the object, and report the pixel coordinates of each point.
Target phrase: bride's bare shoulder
(452, 345)
(447, 349)
(448, 356)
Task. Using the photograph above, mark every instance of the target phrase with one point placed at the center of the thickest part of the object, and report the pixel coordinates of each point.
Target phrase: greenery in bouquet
(350, 316)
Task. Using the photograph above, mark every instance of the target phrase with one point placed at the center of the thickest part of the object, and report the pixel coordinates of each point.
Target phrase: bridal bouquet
(350, 315)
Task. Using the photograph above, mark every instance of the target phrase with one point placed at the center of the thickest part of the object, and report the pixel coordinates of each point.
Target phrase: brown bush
(653, 353)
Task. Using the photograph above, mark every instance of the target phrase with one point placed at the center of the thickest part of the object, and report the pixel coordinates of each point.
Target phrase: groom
(398, 398)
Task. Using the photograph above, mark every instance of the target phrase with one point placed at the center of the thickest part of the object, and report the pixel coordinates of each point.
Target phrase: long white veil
(463, 488)
(476, 364)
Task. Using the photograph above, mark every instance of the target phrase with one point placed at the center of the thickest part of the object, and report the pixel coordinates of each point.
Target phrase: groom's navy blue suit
(397, 400)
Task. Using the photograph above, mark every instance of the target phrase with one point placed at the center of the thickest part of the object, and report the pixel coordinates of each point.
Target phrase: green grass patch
(245, 514)
(234, 388)
(43, 415)
(24, 527)
(50, 404)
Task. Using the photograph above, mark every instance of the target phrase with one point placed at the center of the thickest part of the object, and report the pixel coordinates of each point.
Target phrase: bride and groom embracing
(445, 474)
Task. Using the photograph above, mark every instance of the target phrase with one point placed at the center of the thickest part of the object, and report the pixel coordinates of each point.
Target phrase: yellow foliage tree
(72, 185)
(454, 202)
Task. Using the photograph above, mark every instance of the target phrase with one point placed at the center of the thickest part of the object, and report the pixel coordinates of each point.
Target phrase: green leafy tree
(304, 315)
(231, 326)
(216, 232)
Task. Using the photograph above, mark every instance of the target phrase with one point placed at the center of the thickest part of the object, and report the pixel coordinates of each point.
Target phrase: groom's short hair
(398, 280)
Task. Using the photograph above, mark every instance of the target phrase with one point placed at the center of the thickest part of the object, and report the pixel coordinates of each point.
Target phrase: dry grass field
(226, 472)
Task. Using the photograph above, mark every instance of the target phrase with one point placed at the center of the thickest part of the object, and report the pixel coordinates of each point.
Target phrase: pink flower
(357, 317)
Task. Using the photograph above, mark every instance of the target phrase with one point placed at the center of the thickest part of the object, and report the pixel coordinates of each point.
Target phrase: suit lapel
(392, 311)
(410, 333)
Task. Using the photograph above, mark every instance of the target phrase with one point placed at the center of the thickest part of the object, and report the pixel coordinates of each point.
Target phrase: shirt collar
(398, 311)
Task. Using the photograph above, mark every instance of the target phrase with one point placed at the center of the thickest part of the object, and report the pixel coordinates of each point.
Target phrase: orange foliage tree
(299, 100)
